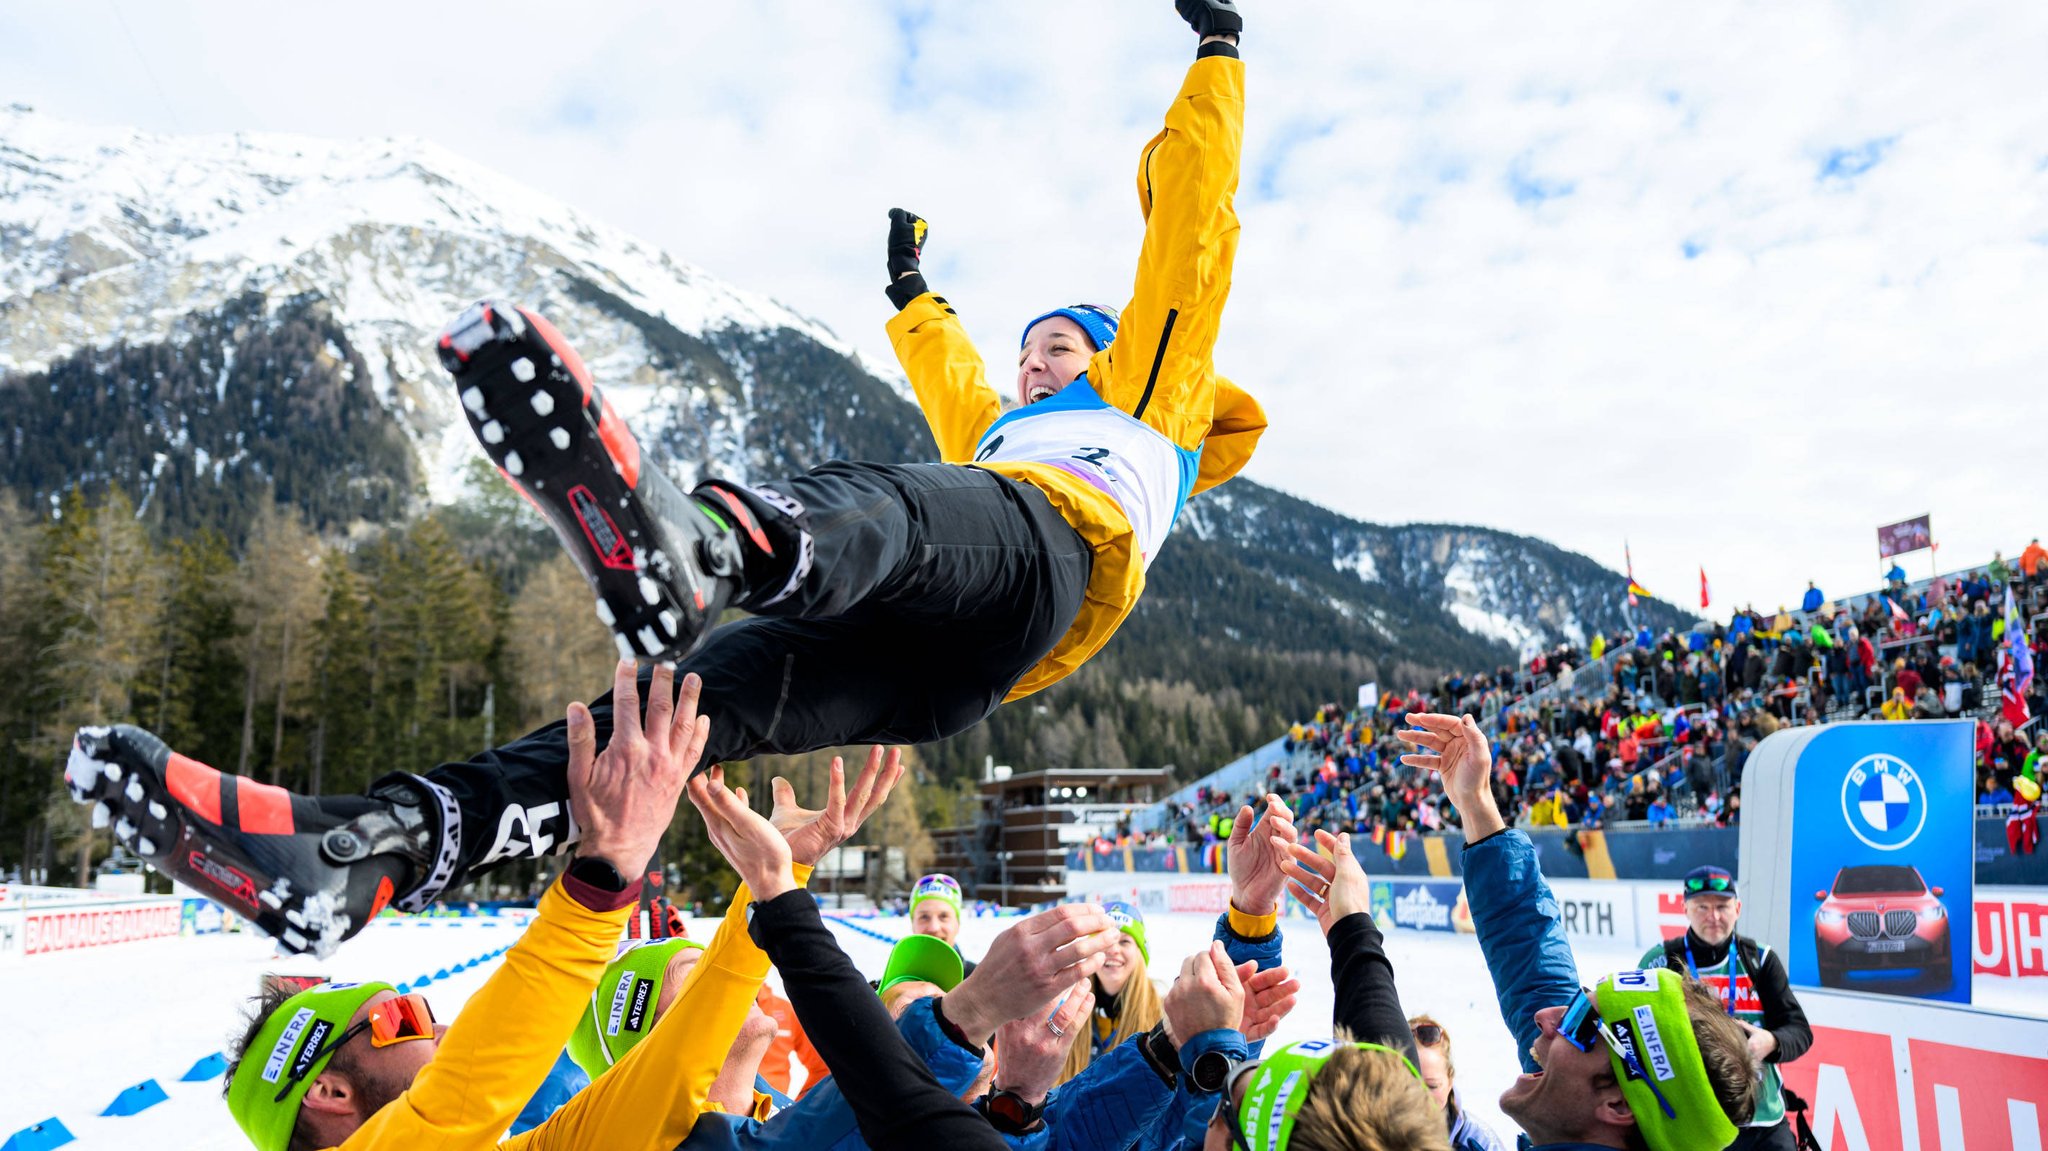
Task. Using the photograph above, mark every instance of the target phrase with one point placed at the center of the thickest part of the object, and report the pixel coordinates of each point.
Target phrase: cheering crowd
(1655, 728)
(1057, 1037)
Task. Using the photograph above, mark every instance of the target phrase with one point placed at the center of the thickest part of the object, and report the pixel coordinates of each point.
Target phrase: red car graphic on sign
(1880, 917)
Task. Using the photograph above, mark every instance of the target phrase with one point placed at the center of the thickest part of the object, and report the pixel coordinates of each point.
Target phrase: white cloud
(1681, 332)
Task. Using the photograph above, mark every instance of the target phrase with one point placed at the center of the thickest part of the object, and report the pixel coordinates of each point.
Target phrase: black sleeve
(1783, 1017)
(895, 1099)
(1368, 1005)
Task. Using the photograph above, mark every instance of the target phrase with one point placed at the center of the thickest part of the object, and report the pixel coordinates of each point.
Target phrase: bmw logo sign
(1884, 802)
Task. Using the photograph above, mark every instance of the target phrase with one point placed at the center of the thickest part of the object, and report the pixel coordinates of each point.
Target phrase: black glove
(907, 232)
(1211, 17)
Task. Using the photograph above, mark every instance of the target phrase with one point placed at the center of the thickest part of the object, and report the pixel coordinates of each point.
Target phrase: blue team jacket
(1521, 933)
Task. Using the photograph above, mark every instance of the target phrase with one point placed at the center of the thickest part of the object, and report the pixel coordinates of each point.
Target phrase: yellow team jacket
(1160, 370)
(500, 1048)
(498, 1051)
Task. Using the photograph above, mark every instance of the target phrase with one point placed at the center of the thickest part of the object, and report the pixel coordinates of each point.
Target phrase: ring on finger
(1055, 1029)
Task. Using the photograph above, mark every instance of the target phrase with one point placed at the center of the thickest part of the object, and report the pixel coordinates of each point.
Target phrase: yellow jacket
(1160, 370)
(651, 1098)
(500, 1048)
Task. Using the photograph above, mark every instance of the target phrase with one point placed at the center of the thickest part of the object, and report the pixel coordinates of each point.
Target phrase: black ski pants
(931, 590)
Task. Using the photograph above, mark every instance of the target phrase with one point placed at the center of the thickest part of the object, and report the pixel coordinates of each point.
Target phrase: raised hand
(907, 232)
(1030, 1051)
(1211, 17)
(1455, 748)
(1208, 995)
(750, 843)
(624, 798)
(1332, 887)
(1257, 866)
(813, 833)
(1268, 996)
(1027, 965)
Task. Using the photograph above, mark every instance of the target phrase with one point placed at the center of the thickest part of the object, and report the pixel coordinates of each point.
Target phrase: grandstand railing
(1231, 778)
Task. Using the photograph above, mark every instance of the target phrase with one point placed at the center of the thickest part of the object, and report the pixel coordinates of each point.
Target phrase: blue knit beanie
(1099, 322)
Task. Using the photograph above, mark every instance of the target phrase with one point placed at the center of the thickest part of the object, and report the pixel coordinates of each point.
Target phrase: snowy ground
(82, 1026)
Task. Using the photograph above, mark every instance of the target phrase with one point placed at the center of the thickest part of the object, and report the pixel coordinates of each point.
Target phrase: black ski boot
(662, 565)
(307, 871)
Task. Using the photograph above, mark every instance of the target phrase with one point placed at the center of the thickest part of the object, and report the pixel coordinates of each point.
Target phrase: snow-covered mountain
(108, 234)
(152, 270)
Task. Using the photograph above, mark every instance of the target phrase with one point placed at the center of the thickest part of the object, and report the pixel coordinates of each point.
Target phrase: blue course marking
(867, 931)
(52, 1132)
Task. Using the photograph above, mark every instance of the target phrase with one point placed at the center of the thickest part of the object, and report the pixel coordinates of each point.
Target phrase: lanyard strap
(1695, 968)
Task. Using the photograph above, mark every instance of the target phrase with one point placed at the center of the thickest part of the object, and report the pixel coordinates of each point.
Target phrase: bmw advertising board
(1877, 892)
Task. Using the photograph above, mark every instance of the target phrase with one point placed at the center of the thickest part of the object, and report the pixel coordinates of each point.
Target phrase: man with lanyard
(1750, 980)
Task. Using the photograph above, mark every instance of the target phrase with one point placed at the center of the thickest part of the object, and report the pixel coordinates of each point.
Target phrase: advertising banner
(1595, 910)
(68, 928)
(201, 917)
(1882, 857)
(1916, 534)
(10, 933)
(1892, 1075)
(1420, 905)
(2011, 936)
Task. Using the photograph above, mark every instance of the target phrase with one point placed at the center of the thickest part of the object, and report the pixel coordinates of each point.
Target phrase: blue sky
(1734, 282)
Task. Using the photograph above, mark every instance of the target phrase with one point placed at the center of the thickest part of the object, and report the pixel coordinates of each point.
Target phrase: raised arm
(1520, 929)
(1368, 1004)
(1160, 368)
(500, 1049)
(932, 345)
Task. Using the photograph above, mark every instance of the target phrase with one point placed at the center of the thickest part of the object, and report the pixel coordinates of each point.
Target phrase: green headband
(622, 1005)
(943, 888)
(294, 1043)
(1281, 1085)
(922, 957)
(1646, 1011)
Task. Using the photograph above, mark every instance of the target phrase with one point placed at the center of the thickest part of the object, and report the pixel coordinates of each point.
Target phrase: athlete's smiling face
(1055, 353)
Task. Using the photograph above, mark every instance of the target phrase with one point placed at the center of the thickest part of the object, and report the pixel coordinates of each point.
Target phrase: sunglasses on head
(1582, 1026)
(1428, 1034)
(397, 1020)
(1699, 883)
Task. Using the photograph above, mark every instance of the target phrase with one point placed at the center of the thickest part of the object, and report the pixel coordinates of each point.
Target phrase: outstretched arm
(932, 345)
(1368, 1004)
(1520, 929)
(1160, 368)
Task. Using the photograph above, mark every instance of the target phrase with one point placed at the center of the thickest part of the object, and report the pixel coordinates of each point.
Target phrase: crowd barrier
(1608, 854)
(2011, 937)
(1892, 1074)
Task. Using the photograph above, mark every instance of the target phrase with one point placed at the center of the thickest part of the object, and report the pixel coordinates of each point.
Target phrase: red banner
(2011, 937)
(1892, 1070)
(1905, 536)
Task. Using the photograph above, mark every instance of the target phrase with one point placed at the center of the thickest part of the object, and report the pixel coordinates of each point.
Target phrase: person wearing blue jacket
(1136, 1097)
(1813, 599)
(1644, 1058)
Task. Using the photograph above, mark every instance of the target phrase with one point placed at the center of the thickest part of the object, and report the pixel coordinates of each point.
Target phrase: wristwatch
(1160, 1051)
(1009, 1114)
(597, 873)
(1211, 1071)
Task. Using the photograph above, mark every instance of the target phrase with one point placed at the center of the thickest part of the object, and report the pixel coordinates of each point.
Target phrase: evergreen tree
(103, 589)
(193, 694)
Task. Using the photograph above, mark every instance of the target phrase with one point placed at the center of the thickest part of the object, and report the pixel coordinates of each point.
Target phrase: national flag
(2016, 640)
(1397, 845)
(1706, 600)
(1629, 565)
(2015, 667)
(1635, 589)
(1898, 613)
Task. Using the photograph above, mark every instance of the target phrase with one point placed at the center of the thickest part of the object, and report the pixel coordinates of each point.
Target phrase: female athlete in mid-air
(890, 603)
